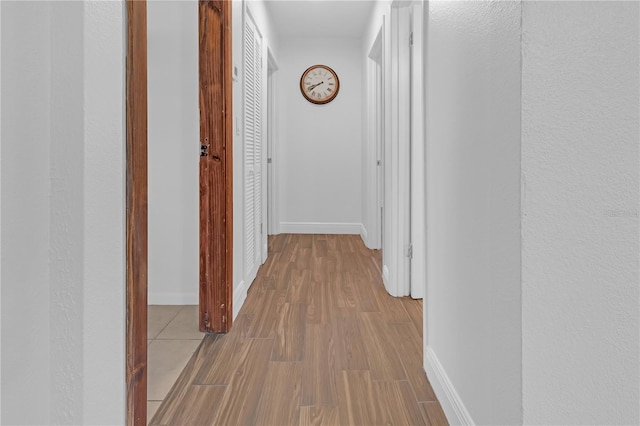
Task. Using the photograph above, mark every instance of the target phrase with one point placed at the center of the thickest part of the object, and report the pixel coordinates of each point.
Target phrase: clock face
(319, 84)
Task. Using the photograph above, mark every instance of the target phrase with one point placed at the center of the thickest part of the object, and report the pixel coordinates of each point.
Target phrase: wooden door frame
(216, 299)
(136, 213)
(136, 203)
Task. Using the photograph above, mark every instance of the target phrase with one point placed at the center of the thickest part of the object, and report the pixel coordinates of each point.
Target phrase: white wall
(174, 143)
(533, 199)
(580, 203)
(319, 146)
(62, 213)
(26, 338)
(473, 209)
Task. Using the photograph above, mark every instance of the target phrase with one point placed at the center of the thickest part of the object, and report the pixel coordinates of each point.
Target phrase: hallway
(318, 341)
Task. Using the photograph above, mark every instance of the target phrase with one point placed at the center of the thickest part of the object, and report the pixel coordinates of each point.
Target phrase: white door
(253, 142)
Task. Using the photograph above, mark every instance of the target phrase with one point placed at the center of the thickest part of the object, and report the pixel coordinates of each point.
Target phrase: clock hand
(315, 85)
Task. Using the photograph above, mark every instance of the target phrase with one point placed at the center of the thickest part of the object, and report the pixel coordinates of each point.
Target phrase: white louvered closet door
(252, 147)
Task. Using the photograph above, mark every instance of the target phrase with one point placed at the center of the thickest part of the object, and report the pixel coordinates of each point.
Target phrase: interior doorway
(376, 117)
(215, 298)
(272, 191)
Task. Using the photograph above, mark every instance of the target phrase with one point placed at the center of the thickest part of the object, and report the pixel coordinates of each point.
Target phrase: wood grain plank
(399, 407)
(322, 267)
(240, 402)
(392, 307)
(320, 303)
(350, 349)
(266, 316)
(303, 258)
(414, 309)
(299, 286)
(222, 354)
(344, 290)
(318, 415)
(383, 359)
(199, 406)
(318, 377)
(320, 247)
(284, 275)
(408, 345)
(285, 380)
(432, 414)
(289, 333)
(366, 298)
(358, 404)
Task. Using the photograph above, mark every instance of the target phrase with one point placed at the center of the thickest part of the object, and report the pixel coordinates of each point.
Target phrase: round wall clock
(319, 84)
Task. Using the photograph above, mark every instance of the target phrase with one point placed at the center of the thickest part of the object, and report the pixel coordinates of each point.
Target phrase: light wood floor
(318, 341)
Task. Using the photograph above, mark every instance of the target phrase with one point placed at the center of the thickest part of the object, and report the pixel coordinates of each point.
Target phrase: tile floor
(173, 337)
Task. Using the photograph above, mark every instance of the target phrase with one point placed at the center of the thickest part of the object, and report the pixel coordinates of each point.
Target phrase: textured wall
(103, 322)
(63, 213)
(580, 201)
(473, 203)
(26, 85)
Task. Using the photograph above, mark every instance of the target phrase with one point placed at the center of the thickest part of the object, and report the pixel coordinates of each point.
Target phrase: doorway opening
(216, 219)
(384, 194)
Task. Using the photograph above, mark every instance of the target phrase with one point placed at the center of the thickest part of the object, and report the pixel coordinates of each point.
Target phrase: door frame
(136, 202)
(375, 167)
(136, 212)
(418, 158)
(216, 248)
(273, 227)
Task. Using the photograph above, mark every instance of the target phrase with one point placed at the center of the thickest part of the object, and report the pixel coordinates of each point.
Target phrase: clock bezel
(322, 100)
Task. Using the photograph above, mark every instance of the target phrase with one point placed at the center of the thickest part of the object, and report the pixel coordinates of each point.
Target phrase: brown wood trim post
(228, 111)
(136, 214)
(216, 171)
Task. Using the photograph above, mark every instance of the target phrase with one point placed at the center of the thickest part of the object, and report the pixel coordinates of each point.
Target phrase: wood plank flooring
(318, 342)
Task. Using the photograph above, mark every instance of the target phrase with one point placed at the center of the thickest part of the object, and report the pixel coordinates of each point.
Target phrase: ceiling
(320, 18)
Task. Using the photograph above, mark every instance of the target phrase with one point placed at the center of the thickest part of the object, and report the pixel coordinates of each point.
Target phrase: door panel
(216, 228)
(253, 153)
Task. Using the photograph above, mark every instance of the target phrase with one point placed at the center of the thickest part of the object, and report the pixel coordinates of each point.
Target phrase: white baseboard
(364, 235)
(173, 298)
(385, 277)
(239, 296)
(448, 397)
(320, 228)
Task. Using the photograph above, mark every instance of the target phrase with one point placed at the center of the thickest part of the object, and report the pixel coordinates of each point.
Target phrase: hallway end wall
(319, 146)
